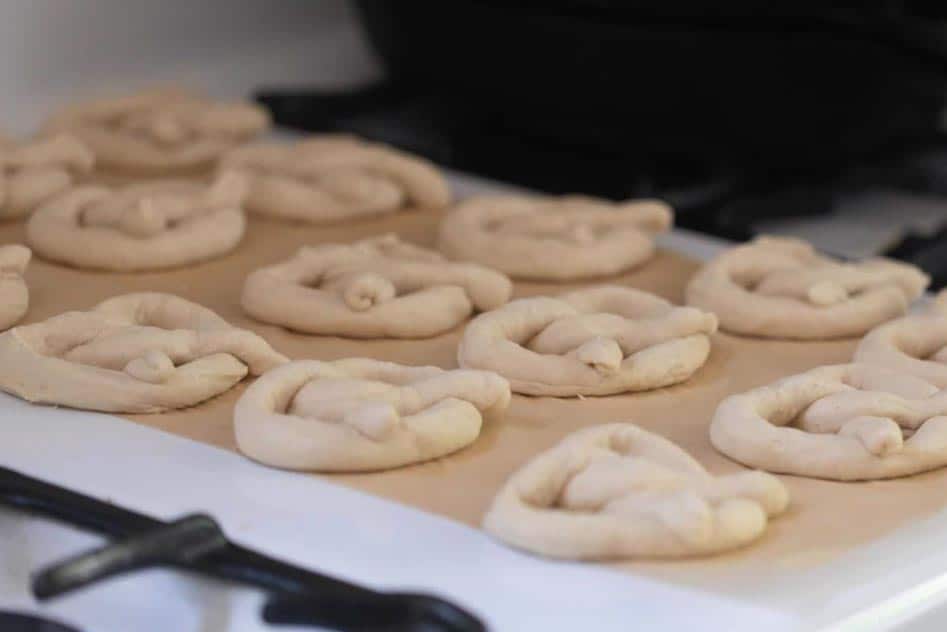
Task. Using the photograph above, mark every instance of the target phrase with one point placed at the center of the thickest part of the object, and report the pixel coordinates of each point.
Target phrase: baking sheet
(826, 519)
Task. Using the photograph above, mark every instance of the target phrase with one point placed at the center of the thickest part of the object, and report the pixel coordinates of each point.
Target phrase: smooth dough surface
(135, 353)
(361, 415)
(375, 288)
(335, 178)
(34, 171)
(617, 491)
(845, 422)
(14, 293)
(781, 288)
(596, 341)
(149, 226)
(564, 238)
(160, 132)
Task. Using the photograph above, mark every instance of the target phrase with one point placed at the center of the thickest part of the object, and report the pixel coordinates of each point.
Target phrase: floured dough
(14, 295)
(375, 288)
(554, 239)
(781, 288)
(150, 226)
(596, 341)
(915, 344)
(136, 353)
(845, 422)
(358, 414)
(617, 491)
(33, 172)
(335, 178)
(160, 132)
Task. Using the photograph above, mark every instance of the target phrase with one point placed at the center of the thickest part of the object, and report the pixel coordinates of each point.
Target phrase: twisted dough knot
(149, 226)
(160, 131)
(14, 294)
(915, 344)
(136, 353)
(376, 288)
(554, 239)
(359, 414)
(618, 491)
(336, 178)
(844, 422)
(34, 172)
(781, 288)
(597, 341)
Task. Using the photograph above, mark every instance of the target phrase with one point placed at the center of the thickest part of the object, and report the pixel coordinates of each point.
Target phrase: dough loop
(135, 353)
(554, 239)
(375, 288)
(360, 415)
(14, 294)
(781, 288)
(597, 341)
(150, 226)
(336, 178)
(618, 491)
(33, 172)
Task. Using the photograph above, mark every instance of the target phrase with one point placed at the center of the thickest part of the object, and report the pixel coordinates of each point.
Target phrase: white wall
(55, 50)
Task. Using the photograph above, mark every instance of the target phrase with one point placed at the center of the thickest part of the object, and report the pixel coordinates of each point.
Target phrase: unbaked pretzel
(618, 491)
(553, 239)
(597, 341)
(845, 422)
(136, 353)
(359, 414)
(149, 226)
(781, 288)
(335, 178)
(14, 294)
(33, 172)
(375, 288)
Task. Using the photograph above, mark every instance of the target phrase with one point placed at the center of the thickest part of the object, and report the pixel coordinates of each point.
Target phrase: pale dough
(149, 226)
(781, 288)
(375, 288)
(564, 238)
(160, 132)
(845, 422)
(617, 491)
(14, 294)
(360, 415)
(334, 178)
(596, 341)
(135, 353)
(33, 172)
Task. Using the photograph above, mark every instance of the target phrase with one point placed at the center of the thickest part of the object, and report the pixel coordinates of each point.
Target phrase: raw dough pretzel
(14, 295)
(150, 226)
(781, 288)
(915, 344)
(554, 239)
(34, 172)
(359, 414)
(135, 353)
(375, 288)
(845, 422)
(618, 491)
(336, 178)
(160, 132)
(596, 341)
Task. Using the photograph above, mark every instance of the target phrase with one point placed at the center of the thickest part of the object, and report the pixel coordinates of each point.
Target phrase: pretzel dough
(14, 295)
(617, 491)
(360, 415)
(554, 239)
(376, 288)
(160, 132)
(136, 353)
(596, 341)
(781, 288)
(150, 226)
(33, 172)
(845, 422)
(335, 178)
